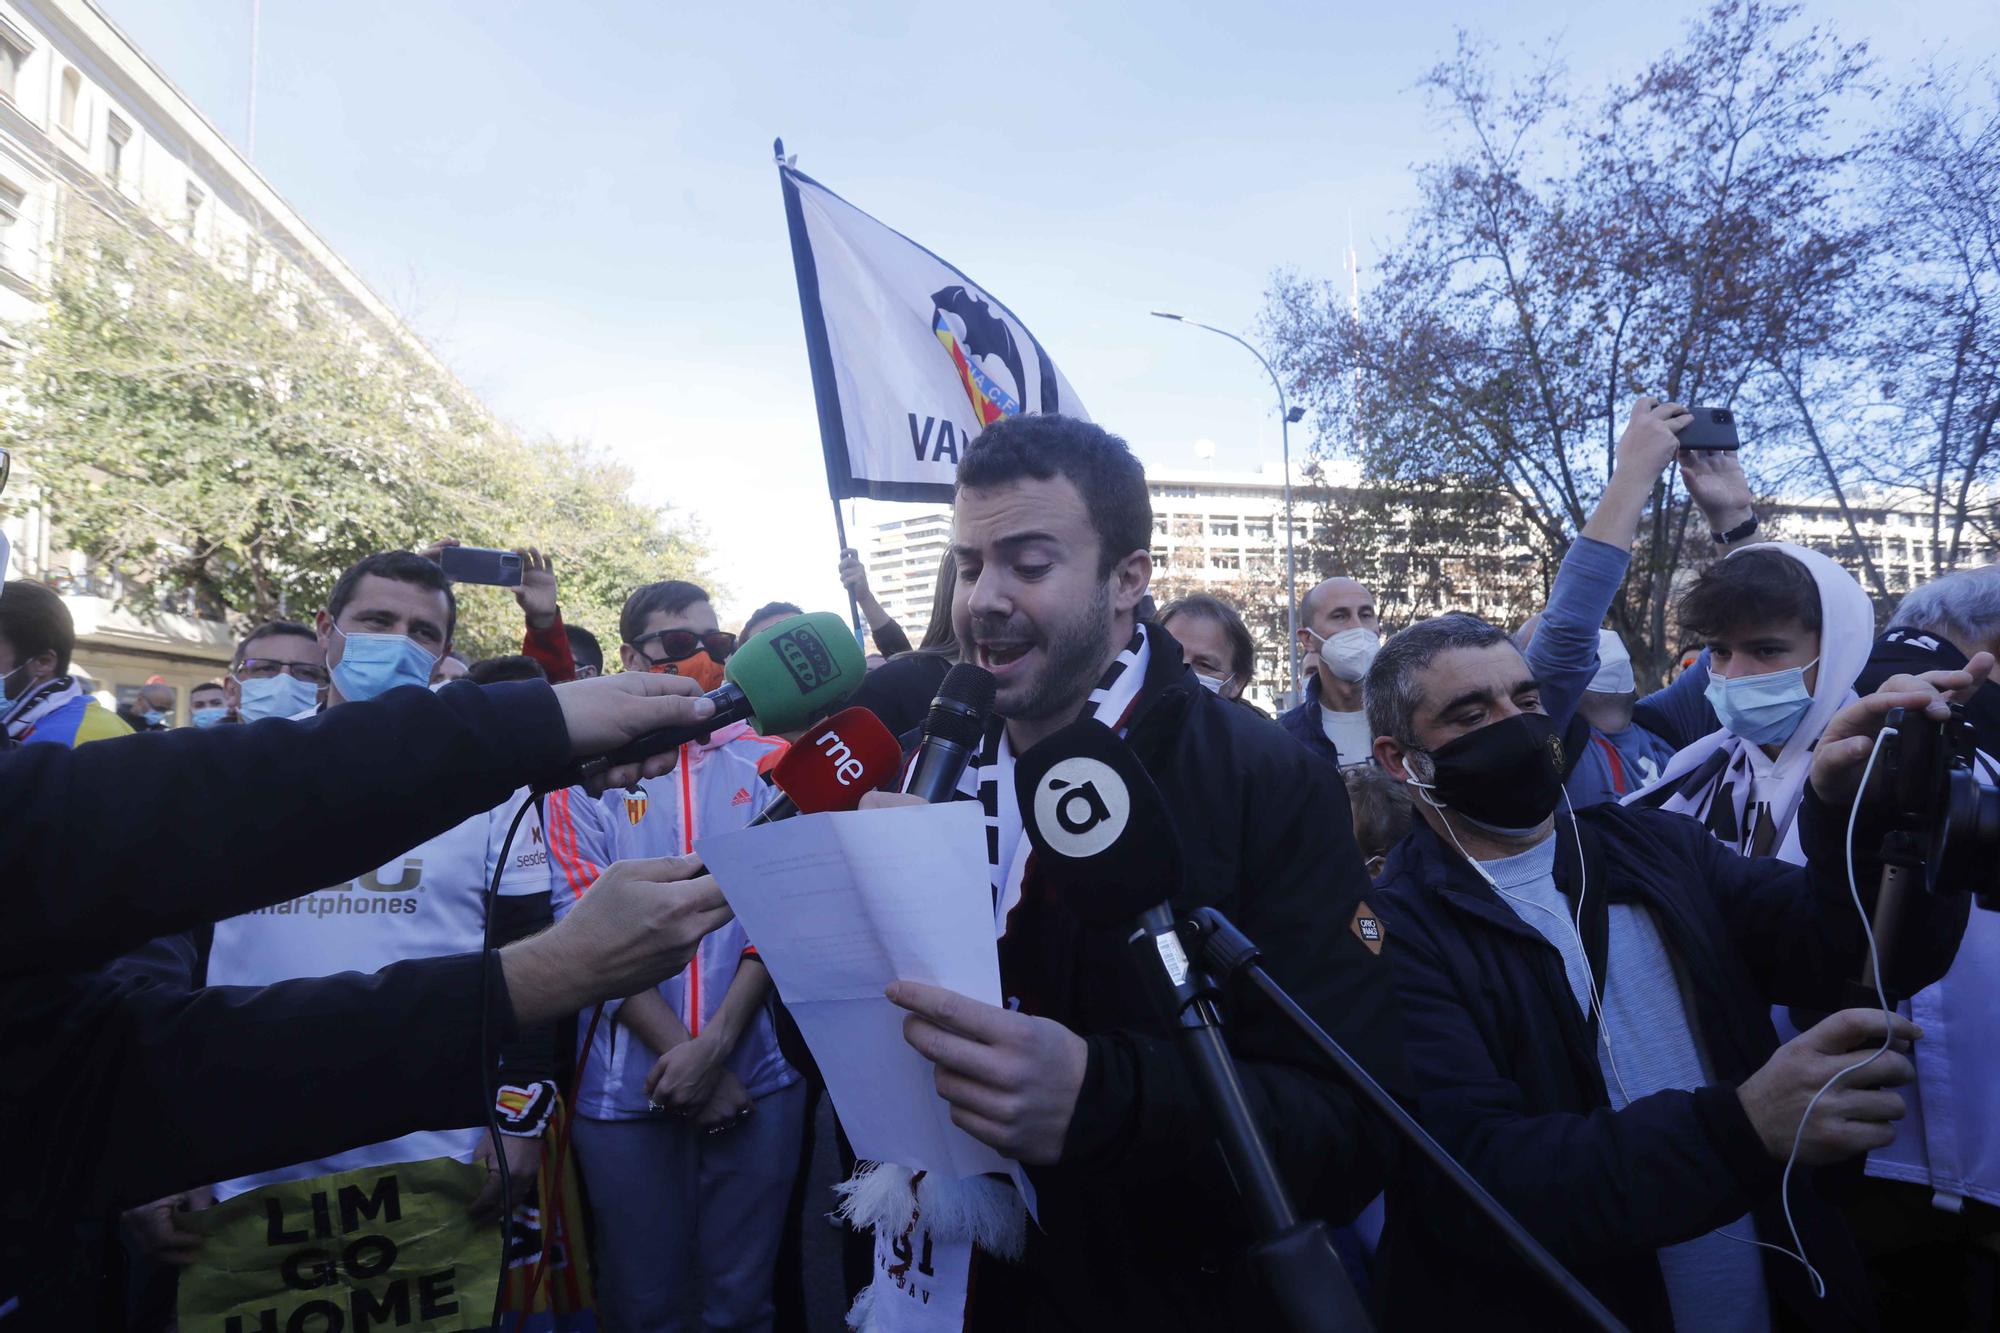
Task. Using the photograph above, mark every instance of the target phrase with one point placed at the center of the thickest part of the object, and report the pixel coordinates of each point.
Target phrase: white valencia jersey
(426, 903)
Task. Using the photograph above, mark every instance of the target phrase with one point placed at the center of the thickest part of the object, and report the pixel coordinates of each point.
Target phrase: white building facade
(87, 120)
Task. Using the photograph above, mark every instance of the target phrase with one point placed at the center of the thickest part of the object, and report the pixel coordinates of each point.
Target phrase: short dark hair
(487, 670)
(403, 567)
(1381, 806)
(1758, 586)
(1390, 694)
(215, 685)
(34, 621)
(1098, 463)
(584, 649)
(668, 596)
(1242, 648)
(768, 611)
(268, 628)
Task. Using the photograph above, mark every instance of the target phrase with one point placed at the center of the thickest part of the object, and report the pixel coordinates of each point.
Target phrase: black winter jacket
(124, 1086)
(1140, 1226)
(1508, 1078)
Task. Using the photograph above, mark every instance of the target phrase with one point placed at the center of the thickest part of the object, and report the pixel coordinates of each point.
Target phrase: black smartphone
(1712, 428)
(477, 564)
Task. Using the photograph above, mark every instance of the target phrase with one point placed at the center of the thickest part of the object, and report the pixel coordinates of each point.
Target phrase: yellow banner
(385, 1247)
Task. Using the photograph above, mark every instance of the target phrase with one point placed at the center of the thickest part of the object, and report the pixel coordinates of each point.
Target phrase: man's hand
(631, 930)
(154, 1228)
(1716, 484)
(725, 1105)
(1651, 438)
(524, 1159)
(853, 576)
(1652, 435)
(1843, 747)
(683, 1080)
(1858, 1114)
(887, 800)
(604, 712)
(1012, 1080)
(537, 593)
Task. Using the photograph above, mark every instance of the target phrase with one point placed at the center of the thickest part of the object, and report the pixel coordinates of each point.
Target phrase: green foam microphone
(781, 680)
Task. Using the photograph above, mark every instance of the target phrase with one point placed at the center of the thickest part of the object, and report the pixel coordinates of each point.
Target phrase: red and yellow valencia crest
(635, 806)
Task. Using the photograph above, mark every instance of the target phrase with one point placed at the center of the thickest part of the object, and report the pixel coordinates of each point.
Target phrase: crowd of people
(1602, 942)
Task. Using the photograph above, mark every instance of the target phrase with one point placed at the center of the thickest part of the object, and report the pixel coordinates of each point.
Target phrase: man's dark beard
(1075, 659)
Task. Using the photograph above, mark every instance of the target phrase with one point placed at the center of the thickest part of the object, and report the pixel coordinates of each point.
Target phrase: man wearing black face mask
(1586, 997)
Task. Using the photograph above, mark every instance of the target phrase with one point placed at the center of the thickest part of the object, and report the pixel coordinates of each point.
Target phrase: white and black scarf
(925, 1228)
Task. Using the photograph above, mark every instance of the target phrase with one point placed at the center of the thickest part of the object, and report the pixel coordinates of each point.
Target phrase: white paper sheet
(839, 906)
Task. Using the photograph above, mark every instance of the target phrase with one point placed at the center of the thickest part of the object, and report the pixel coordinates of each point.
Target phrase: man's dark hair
(1751, 588)
(584, 649)
(667, 597)
(1381, 807)
(1390, 693)
(769, 611)
(1089, 457)
(215, 685)
(1242, 649)
(403, 567)
(33, 621)
(487, 670)
(268, 628)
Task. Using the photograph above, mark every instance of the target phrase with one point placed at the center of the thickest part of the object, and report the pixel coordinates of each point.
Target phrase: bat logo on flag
(971, 334)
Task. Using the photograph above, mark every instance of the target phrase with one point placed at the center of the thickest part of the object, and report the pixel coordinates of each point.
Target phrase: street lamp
(1287, 414)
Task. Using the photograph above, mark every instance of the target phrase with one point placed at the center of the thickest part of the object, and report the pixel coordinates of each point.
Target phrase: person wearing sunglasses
(279, 671)
(690, 1121)
(670, 627)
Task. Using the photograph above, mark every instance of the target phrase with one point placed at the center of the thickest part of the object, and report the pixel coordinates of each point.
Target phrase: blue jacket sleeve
(1680, 714)
(217, 822)
(1563, 655)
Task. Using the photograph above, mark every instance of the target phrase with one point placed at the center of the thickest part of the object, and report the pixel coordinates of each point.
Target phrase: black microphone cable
(487, 1056)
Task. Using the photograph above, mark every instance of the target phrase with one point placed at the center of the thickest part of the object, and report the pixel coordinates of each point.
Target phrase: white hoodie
(1758, 787)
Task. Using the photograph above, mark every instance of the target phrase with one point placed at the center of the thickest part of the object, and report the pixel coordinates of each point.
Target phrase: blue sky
(574, 204)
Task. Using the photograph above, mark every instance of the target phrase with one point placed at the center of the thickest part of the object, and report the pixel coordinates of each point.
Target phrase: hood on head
(1847, 633)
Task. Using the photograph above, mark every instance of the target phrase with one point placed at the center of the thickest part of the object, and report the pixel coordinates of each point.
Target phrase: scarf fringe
(983, 1210)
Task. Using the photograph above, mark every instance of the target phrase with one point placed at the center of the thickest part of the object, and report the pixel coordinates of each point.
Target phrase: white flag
(910, 358)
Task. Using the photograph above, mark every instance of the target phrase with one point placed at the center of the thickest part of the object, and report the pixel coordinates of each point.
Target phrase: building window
(194, 200)
(11, 202)
(116, 135)
(72, 89)
(1219, 528)
(1226, 562)
(13, 55)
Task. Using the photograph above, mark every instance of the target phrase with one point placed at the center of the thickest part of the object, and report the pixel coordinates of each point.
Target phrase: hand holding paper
(841, 906)
(1012, 1079)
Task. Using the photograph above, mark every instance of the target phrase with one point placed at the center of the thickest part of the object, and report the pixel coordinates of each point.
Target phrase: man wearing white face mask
(387, 622)
(279, 671)
(1339, 636)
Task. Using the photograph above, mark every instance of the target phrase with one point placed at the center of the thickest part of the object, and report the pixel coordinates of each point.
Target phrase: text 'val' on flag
(910, 357)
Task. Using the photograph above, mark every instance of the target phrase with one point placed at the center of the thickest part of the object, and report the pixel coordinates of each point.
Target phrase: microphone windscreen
(832, 766)
(796, 670)
(1099, 827)
(964, 702)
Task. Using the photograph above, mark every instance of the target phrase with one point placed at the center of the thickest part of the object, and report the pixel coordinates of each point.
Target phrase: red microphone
(832, 766)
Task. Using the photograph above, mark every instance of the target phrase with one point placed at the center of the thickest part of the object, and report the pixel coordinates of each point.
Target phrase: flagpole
(826, 396)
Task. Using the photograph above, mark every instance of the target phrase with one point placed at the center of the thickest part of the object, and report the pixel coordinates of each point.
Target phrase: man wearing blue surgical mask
(279, 671)
(387, 622)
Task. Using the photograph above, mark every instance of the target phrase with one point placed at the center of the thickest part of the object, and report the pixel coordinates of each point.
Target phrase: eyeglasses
(270, 668)
(676, 644)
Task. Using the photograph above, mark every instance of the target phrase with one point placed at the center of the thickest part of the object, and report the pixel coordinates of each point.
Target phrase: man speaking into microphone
(1077, 1077)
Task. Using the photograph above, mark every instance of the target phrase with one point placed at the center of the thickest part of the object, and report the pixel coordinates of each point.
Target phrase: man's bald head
(158, 697)
(1339, 603)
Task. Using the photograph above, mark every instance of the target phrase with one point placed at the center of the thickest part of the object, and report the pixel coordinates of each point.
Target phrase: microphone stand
(1226, 953)
(1295, 1260)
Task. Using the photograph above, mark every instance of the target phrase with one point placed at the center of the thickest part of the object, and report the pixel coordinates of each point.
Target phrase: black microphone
(952, 732)
(1106, 845)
